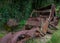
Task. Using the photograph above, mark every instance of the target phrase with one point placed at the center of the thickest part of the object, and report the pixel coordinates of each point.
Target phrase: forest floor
(46, 38)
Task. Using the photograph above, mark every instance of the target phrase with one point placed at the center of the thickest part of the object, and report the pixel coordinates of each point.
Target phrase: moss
(1, 35)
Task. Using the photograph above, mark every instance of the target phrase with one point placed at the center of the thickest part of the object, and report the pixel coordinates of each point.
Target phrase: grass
(33, 40)
(21, 24)
(56, 36)
(58, 25)
(1, 35)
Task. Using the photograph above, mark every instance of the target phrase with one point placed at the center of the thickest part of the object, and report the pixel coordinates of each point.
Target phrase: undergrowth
(56, 36)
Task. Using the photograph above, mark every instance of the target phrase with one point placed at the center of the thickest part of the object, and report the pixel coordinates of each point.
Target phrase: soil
(46, 38)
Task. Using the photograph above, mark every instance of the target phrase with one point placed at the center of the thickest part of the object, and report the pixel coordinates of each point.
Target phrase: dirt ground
(44, 39)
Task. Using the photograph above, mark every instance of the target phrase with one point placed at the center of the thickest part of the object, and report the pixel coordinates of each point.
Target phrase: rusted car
(43, 18)
(36, 26)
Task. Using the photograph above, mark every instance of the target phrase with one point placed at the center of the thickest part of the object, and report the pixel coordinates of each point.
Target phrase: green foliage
(46, 2)
(30, 41)
(55, 38)
(1, 34)
(58, 11)
(20, 9)
(21, 24)
(33, 40)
